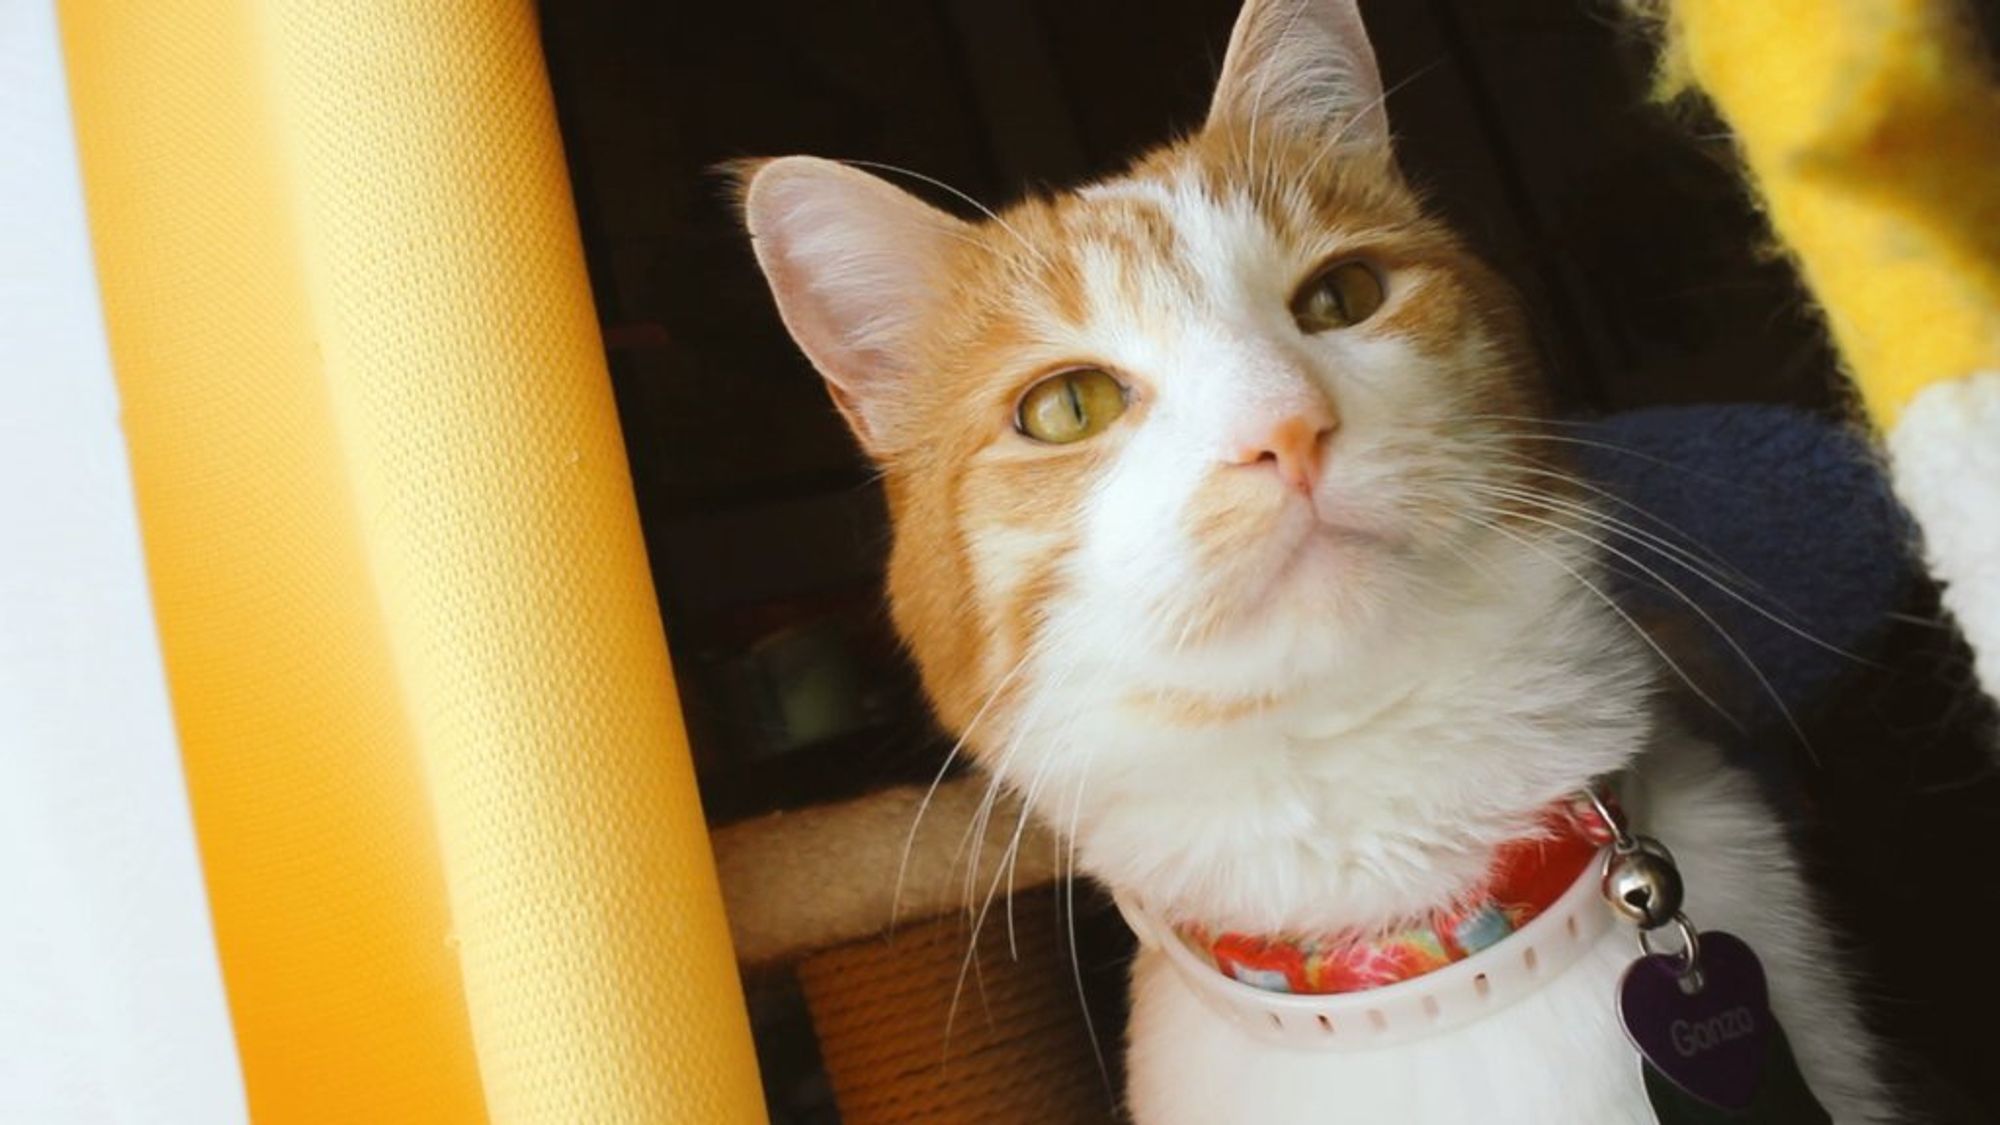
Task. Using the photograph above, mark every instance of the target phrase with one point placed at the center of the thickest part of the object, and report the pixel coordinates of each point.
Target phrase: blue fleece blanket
(1794, 508)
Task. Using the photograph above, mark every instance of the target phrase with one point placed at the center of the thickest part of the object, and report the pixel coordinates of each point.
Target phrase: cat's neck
(1361, 799)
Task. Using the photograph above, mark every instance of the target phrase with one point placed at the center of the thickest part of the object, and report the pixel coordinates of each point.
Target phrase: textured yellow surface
(1872, 128)
(445, 806)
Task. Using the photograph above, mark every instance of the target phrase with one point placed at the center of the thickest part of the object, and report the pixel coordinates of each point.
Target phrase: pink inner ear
(1303, 65)
(853, 264)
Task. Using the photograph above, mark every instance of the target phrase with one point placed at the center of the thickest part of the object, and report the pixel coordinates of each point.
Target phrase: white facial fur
(1378, 778)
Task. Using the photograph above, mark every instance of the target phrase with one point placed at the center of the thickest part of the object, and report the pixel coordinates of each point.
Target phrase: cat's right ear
(854, 264)
(1304, 66)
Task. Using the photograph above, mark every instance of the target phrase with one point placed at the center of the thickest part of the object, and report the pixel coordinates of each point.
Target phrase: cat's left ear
(1303, 66)
(854, 265)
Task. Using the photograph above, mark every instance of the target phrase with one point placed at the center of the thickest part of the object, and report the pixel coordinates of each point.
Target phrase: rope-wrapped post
(912, 1033)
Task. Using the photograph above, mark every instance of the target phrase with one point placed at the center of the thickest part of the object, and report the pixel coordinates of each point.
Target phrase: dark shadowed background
(1650, 278)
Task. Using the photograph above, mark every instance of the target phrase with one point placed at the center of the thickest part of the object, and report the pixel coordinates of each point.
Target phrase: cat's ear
(1304, 66)
(854, 264)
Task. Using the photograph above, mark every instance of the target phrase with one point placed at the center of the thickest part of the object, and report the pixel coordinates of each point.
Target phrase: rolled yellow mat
(445, 806)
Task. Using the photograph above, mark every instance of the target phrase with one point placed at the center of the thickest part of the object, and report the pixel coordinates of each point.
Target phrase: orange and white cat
(1225, 536)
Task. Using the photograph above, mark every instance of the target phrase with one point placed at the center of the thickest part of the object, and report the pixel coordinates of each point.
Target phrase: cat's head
(1231, 422)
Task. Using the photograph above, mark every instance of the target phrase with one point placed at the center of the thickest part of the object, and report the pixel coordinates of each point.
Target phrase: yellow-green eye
(1070, 406)
(1338, 297)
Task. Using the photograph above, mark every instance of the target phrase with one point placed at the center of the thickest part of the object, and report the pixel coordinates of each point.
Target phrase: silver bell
(1643, 884)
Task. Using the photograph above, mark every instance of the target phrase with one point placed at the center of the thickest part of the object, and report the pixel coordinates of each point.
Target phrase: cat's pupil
(1070, 406)
(1331, 295)
(1338, 297)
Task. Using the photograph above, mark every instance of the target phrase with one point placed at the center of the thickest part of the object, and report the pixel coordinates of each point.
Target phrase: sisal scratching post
(1018, 1050)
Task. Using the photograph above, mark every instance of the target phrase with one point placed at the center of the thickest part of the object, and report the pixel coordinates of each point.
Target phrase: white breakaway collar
(1436, 1002)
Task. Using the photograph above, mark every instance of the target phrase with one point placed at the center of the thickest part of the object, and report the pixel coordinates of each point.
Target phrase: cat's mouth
(1354, 535)
(1338, 517)
(1297, 567)
(1319, 556)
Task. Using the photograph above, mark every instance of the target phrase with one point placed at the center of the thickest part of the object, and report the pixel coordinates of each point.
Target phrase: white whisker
(1611, 604)
(1726, 637)
(1672, 553)
(983, 209)
(923, 806)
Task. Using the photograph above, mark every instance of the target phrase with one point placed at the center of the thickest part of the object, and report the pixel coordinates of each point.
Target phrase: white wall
(111, 1003)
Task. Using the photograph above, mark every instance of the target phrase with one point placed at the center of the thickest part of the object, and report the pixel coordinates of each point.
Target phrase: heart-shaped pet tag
(1712, 1042)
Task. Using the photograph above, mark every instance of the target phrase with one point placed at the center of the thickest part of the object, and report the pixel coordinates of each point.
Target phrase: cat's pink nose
(1294, 446)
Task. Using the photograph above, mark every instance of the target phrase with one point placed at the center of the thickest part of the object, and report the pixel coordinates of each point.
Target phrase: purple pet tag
(1711, 1052)
(1718, 1047)
(1711, 1043)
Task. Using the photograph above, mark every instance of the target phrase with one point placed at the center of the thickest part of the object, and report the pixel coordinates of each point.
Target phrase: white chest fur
(1556, 1056)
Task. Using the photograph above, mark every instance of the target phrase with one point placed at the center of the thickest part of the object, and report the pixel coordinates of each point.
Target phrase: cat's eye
(1070, 406)
(1339, 296)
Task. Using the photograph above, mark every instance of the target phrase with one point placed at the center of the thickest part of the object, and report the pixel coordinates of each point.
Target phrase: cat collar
(1539, 912)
